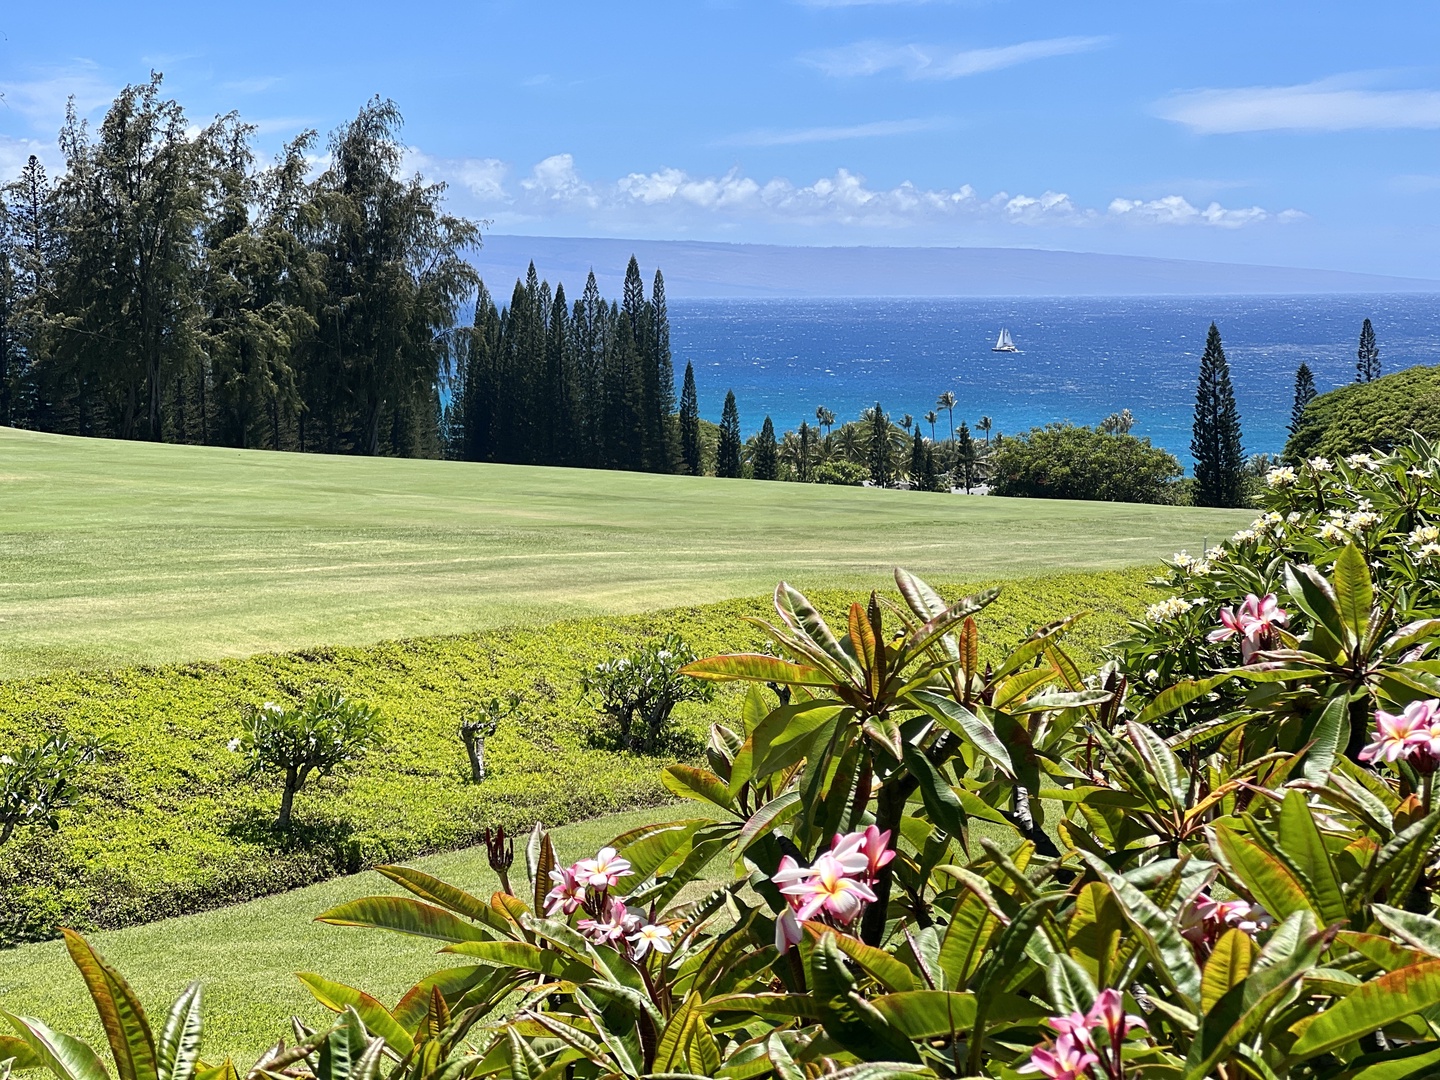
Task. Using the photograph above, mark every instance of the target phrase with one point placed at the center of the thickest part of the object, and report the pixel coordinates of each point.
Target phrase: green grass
(167, 824)
(247, 954)
(115, 553)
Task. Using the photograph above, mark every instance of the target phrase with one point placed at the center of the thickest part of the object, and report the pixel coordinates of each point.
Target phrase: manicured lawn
(247, 955)
(116, 553)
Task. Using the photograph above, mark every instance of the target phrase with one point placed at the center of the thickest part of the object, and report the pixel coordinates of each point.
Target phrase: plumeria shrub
(907, 863)
(637, 693)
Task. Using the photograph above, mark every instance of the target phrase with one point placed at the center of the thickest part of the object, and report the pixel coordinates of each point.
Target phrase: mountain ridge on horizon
(709, 269)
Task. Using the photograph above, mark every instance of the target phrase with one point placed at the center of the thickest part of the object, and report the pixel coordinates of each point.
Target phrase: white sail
(1004, 343)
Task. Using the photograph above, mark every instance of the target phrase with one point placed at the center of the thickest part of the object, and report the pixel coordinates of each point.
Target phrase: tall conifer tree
(727, 453)
(1367, 356)
(765, 459)
(690, 424)
(1304, 394)
(1215, 440)
(878, 441)
(664, 377)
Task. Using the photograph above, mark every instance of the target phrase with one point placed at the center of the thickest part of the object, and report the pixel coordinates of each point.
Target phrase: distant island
(696, 269)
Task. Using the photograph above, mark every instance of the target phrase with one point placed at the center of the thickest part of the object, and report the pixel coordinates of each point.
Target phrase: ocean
(1080, 359)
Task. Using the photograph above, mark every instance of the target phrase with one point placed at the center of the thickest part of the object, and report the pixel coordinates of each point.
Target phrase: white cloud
(42, 100)
(916, 61)
(1176, 210)
(877, 129)
(555, 189)
(1326, 105)
(14, 153)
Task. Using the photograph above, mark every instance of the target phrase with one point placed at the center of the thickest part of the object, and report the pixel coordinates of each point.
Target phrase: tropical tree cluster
(1065, 461)
(545, 382)
(931, 855)
(1372, 416)
(167, 286)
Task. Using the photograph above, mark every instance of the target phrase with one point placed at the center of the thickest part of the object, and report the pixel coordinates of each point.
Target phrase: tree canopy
(1369, 416)
(1063, 461)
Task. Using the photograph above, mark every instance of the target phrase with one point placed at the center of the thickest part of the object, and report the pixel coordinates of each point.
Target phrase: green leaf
(782, 739)
(887, 970)
(702, 785)
(178, 1050)
(1421, 931)
(1301, 840)
(1263, 876)
(798, 614)
(755, 667)
(1391, 997)
(1329, 733)
(64, 1055)
(337, 997)
(940, 801)
(1227, 967)
(1170, 952)
(1071, 987)
(404, 916)
(1316, 598)
(126, 1027)
(522, 957)
(1161, 762)
(1407, 1063)
(847, 1017)
(428, 887)
(960, 720)
(650, 847)
(17, 1051)
(1181, 694)
(1354, 593)
(766, 818)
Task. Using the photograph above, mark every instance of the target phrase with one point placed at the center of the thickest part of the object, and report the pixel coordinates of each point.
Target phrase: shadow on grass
(328, 841)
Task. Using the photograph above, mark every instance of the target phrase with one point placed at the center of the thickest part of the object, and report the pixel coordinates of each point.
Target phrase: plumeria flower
(1281, 477)
(652, 936)
(604, 870)
(1361, 461)
(1068, 1059)
(568, 893)
(1425, 534)
(828, 886)
(788, 931)
(1169, 609)
(1428, 553)
(1396, 737)
(1257, 622)
(1239, 914)
(1320, 464)
(1109, 1013)
(1076, 1025)
(612, 928)
(1230, 626)
(873, 844)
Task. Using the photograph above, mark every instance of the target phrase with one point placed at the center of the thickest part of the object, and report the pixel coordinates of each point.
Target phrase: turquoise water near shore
(1080, 358)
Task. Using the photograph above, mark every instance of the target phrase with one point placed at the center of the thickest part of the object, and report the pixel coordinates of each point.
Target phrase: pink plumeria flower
(788, 931)
(1241, 914)
(1397, 737)
(655, 936)
(1109, 1013)
(1076, 1025)
(1068, 1059)
(830, 887)
(847, 850)
(872, 843)
(603, 871)
(612, 928)
(568, 893)
(1230, 626)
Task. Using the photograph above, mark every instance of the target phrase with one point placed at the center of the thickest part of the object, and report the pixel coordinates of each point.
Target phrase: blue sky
(1298, 134)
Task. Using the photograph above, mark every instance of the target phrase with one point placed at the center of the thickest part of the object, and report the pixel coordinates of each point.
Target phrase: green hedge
(1368, 416)
(166, 824)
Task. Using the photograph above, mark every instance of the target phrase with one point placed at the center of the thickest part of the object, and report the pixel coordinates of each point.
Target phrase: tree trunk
(475, 748)
(287, 798)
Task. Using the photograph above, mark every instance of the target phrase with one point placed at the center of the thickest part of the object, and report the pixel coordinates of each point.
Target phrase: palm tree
(930, 418)
(907, 421)
(985, 424)
(825, 418)
(947, 402)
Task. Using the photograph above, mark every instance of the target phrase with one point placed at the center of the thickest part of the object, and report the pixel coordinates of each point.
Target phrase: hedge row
(166, 824)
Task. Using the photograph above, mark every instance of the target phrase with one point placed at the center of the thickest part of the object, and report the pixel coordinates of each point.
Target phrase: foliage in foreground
(1212, 907)
(1063, 461)
(165, 823)
(1369, 416)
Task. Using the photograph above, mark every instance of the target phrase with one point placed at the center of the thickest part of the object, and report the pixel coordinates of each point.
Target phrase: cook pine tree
(1215, 441)
(727, 452)
(1367, 356)
(765, 458)
(690, 424)
(1304, 394)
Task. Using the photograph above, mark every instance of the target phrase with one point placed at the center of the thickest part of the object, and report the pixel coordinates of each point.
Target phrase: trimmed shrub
(1062, 461)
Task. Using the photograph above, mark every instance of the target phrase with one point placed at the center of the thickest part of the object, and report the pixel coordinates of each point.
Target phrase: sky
(1299, 134)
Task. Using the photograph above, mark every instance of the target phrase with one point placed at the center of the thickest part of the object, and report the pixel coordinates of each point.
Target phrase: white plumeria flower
(1425, 534)
(1320, 464)
(1332, 533)
(655, 936)
(1169, 609)
(1281, 477)
(1428, 553)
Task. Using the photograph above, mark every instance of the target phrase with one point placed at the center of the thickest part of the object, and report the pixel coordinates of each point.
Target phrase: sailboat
(1004, 343)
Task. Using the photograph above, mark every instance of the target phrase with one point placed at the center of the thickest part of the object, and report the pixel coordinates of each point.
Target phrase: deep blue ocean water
(1080, 358)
